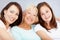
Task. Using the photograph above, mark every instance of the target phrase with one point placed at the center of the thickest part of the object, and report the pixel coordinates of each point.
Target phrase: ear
(5, 11)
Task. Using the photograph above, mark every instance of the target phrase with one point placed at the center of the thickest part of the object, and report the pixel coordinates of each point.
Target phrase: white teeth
(11, 19)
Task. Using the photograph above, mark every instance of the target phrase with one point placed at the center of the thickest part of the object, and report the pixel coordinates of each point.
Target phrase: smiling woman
(47, 26)
(10, 14)
(24, 31)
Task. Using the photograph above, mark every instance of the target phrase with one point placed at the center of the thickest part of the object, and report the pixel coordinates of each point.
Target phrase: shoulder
(1, 22)
(14, 28)
(38, 27)
(58, 24)
(2, 25)
(15, 33)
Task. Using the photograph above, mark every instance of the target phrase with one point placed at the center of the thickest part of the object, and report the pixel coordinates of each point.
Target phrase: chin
(11, 22)
(29, 23)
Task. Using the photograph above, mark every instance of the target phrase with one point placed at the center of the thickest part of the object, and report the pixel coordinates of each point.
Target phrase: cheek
(42, 16)
(8, 14)
(51, 17)
(50, 14)
(34, 19)
(16, 17)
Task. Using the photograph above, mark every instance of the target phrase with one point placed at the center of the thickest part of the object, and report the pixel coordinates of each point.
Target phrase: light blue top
(21, 34)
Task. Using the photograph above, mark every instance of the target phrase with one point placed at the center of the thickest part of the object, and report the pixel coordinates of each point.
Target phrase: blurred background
(55, 4)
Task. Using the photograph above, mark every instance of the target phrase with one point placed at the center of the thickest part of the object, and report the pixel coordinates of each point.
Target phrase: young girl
(10, 14)
(48, 28)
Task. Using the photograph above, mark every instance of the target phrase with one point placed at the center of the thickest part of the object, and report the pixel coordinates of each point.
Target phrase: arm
(4, 35)
(43, 35)
(41, 32)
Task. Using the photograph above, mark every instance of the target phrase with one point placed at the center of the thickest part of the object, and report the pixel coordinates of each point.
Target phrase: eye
(17, 14)
(28, 12)
(46, 11)
(42, 14)
(11, 11)
(34, 15)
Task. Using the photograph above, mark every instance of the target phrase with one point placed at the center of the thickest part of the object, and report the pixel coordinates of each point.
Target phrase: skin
(5, 35)
(11, 15)
(29, 17)
(46, 15)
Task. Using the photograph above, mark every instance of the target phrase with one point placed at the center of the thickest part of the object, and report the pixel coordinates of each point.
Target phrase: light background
(55, 4)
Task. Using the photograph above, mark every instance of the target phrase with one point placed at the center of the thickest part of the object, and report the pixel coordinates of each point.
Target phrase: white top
(53, 33)
(2, 25)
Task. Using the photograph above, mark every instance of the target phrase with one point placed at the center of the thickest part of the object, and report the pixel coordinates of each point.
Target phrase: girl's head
(30, 14)
(45, 15)
(11, 13)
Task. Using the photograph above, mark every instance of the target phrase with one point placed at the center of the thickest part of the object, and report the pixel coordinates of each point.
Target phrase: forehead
(33, 10)
(44, 8)
(13, 7)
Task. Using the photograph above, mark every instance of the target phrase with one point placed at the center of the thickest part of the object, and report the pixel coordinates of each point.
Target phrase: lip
(11, 19)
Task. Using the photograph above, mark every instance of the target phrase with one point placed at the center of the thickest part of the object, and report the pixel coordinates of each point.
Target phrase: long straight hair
(52, 23)
(6, 8)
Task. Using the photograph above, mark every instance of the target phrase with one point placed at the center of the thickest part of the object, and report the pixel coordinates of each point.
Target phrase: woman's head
(45, 14)
(30, 14)
(11, 13)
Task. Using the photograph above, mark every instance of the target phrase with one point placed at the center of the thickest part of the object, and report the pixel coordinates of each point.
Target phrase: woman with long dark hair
(47, 28)
(10, 16)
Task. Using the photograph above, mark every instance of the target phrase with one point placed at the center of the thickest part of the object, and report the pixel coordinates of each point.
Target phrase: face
(30, 16)
(11, 14)
(46, 13)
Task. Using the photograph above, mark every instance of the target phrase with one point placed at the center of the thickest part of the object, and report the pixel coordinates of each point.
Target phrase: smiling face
(46, 13)
(30, 15)
(11, 14)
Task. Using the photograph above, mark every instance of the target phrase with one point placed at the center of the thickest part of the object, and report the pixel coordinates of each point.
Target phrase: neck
(25, 26)
(48, 26)
(7, 26)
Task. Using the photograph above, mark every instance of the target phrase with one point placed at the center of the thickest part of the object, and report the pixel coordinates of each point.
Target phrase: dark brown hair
(7, 7)
(52, 23)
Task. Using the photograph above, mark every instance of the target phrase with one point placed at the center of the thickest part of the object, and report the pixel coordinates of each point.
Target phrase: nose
(13, 16)
(46, 15)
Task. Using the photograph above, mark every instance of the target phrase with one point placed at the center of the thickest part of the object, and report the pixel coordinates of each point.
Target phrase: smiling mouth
(12, 20)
